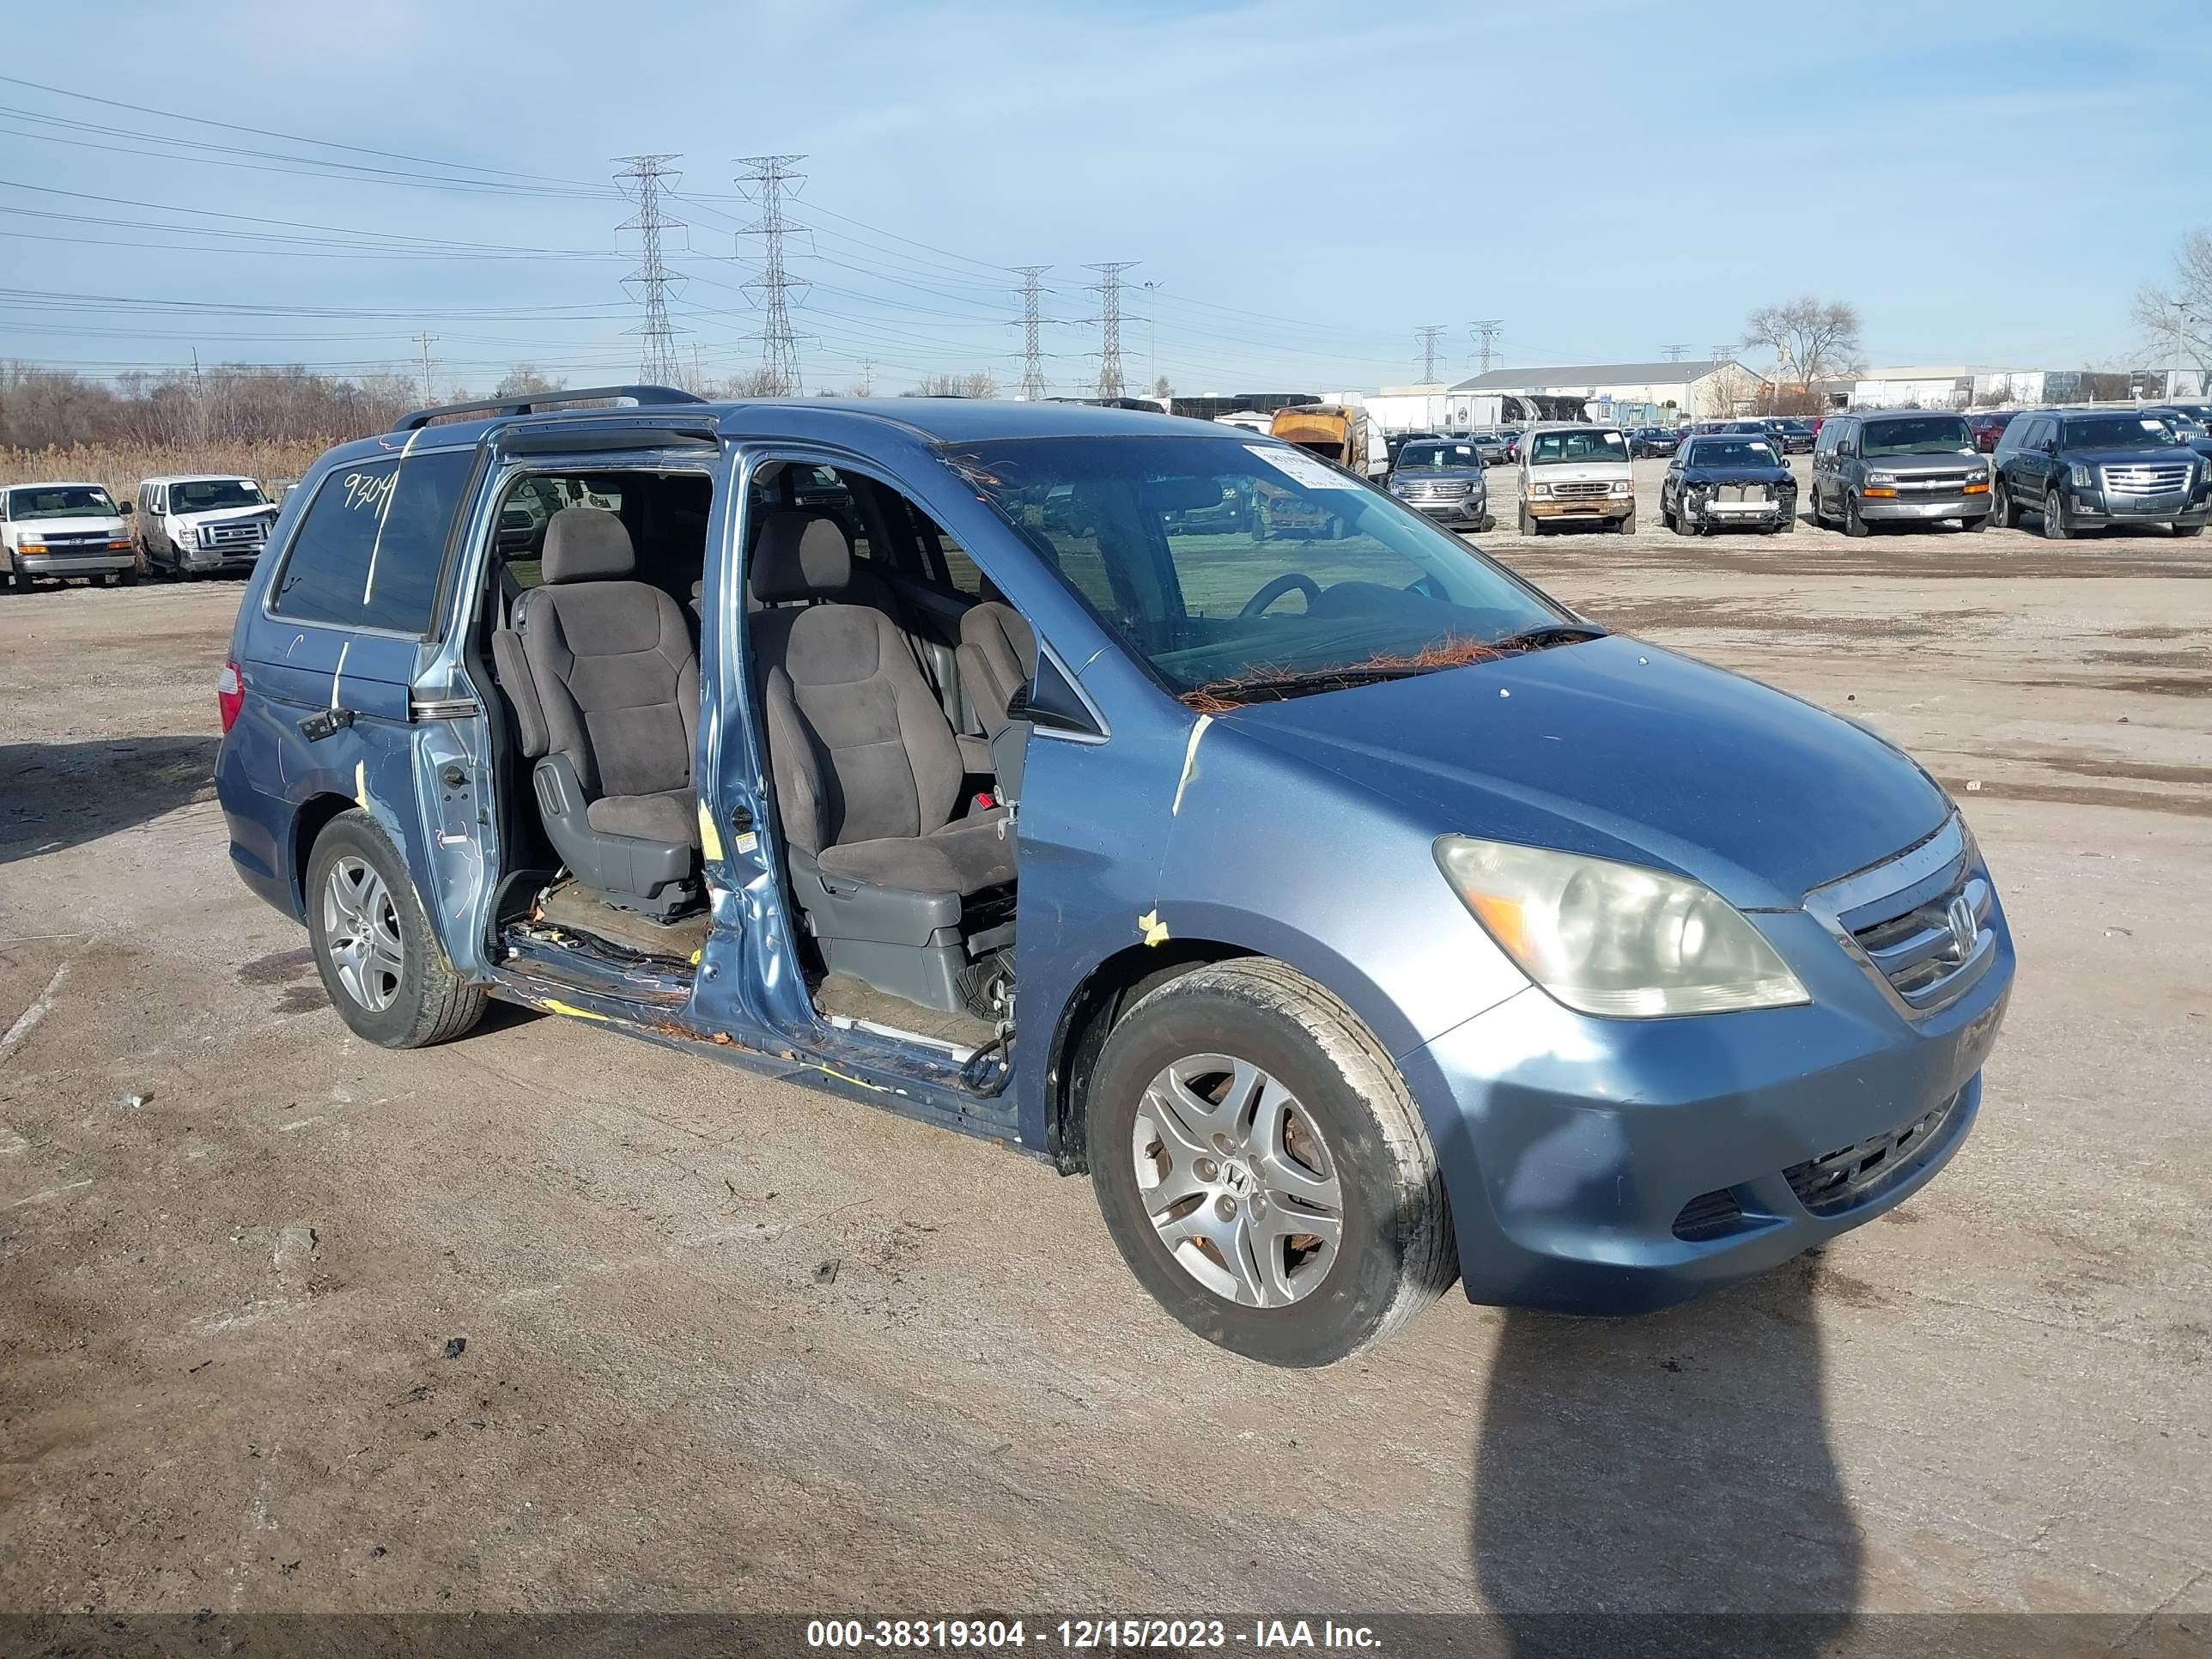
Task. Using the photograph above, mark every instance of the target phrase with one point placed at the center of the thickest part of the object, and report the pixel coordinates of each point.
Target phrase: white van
(1576, 475)
(203, 522)
(62, 530)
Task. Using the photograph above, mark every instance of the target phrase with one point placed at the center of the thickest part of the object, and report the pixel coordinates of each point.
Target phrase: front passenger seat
(898, 892)
(605, 686)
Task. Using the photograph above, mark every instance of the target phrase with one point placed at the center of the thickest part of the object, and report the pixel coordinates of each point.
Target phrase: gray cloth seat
(605, 681)
(868, 775)
(998, 657)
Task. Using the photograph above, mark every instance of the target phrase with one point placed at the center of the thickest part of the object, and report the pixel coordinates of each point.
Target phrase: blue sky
(1306, 185)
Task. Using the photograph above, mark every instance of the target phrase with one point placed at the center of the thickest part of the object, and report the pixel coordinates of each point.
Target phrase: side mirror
(129, 507)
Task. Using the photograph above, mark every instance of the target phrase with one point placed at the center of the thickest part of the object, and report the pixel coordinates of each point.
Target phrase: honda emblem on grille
(1966, 927)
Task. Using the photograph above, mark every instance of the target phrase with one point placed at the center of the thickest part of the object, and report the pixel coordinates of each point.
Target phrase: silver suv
(1909, 466)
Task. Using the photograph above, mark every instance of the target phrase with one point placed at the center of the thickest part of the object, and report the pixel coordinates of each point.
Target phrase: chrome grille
(1918, 922)
(75, 539)
(1582, 489)
(1940, 483)
(243, 532)
(2147, 478)
(1436, 490)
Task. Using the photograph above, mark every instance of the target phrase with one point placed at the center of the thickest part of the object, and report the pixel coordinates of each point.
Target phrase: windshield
(2118, 432)
(61, 501)
(1230, 566)
(1417, 455)
(1936, 434)
(208, 494)
(1553, 448)
(1731, 451)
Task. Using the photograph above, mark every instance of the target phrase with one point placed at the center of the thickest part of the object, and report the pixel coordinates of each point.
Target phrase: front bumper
(1468, 509)
(1573, 1146)
(1582, 509)
(103, 561)
(1771, 514)
(2109, 507)
(203, 560)
(1922, 509)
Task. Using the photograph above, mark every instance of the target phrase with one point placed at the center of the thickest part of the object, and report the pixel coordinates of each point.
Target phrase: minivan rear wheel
(1262, 1169)
(382, 967)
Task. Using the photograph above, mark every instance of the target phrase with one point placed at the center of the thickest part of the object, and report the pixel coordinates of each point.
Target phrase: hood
(34, 529)
(1441, 474)
(226, 514)
(1722, 473)
(2153, 455)
(1950, 461)
(1618, 749)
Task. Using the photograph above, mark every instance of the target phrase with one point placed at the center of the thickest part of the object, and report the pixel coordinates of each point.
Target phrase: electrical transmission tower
(1108, 291)
(1428, 336)
(1486, 333)
(1033, 387)
(425, 340)
(646, 179)
(770, 178)
(1674, 353)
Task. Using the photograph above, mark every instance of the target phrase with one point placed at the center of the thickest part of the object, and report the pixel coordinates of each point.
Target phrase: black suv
(2082, 468)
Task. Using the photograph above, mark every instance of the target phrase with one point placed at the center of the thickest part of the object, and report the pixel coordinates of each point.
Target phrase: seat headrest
(800, 555)
(587, 543)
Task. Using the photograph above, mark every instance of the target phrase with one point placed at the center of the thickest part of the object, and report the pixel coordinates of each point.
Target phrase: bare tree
(2176, 320)
(1162, 389)
(978, 383)
(1812, 340)
(524, 380)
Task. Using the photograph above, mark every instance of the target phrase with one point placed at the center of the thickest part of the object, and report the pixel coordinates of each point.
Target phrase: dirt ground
(239, 1250)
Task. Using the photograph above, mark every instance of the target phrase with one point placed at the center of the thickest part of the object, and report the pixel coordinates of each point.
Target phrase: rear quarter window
(371, 544)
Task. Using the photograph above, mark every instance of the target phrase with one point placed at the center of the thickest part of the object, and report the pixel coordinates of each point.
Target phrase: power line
(1108, 291)
(769, 177)
(1674, 353)
(425, 340)
(1429, 334)
(1033, 387)
(645, 179)
(1486, 333)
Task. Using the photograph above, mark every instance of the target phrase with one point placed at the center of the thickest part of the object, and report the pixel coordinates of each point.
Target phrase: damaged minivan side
(1354, 915)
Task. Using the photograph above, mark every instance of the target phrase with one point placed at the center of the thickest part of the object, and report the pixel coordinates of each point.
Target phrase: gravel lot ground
(234, 1242)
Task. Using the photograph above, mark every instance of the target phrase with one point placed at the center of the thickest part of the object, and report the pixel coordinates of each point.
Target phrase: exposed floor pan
(839, 996)
(577, 910)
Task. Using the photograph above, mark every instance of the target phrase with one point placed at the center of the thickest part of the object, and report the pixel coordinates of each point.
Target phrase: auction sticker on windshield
(1302, 468)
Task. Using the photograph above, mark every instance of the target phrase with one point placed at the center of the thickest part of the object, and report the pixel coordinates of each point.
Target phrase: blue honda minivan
(1357, 916)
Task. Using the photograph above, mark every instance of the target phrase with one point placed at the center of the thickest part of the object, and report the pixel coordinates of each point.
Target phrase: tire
(2054, 516)
(1812, 504)
(1395, 1253)
(1974, 526)
(1788, 526)
(1627, 525)
(1667, 519)
(1853, 524)
(2003, 508)
(424, 1001)
(1528, 524)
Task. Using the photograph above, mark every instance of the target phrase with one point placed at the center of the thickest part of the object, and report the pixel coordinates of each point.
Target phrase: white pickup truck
(63, 530)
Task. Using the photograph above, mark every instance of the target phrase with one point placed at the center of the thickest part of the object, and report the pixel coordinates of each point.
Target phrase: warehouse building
(1659, 394)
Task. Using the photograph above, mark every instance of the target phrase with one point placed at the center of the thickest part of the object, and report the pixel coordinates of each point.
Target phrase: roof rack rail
(641, 395)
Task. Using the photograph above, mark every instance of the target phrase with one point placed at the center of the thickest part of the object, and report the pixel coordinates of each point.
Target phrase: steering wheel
(1274, 590)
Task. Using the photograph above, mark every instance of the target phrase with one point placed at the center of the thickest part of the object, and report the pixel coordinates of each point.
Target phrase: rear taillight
(230, 693)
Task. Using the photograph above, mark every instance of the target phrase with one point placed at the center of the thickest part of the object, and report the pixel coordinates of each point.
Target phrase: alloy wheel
(1234, 1177)
(360, 926)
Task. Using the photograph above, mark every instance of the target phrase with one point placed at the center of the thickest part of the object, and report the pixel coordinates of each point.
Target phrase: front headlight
(2079, 475)
(1540, 489)
(1881, 477)
(1624, 486)
(1616, 940)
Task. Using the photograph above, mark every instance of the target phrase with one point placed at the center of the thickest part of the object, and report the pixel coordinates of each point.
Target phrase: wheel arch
(1086, 1018)
(314, 816)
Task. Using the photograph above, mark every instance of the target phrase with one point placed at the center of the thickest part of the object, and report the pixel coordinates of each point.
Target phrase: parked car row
(188, 525)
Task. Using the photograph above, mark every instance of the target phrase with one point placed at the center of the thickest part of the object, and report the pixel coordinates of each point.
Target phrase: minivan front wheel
(382, 967)
(1263, 1168)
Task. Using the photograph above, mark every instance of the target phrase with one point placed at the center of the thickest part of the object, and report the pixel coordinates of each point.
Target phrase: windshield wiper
(1551, 634)
(1247, 689)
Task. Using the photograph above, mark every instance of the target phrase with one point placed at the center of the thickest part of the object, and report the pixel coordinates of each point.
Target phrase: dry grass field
(120, 466)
